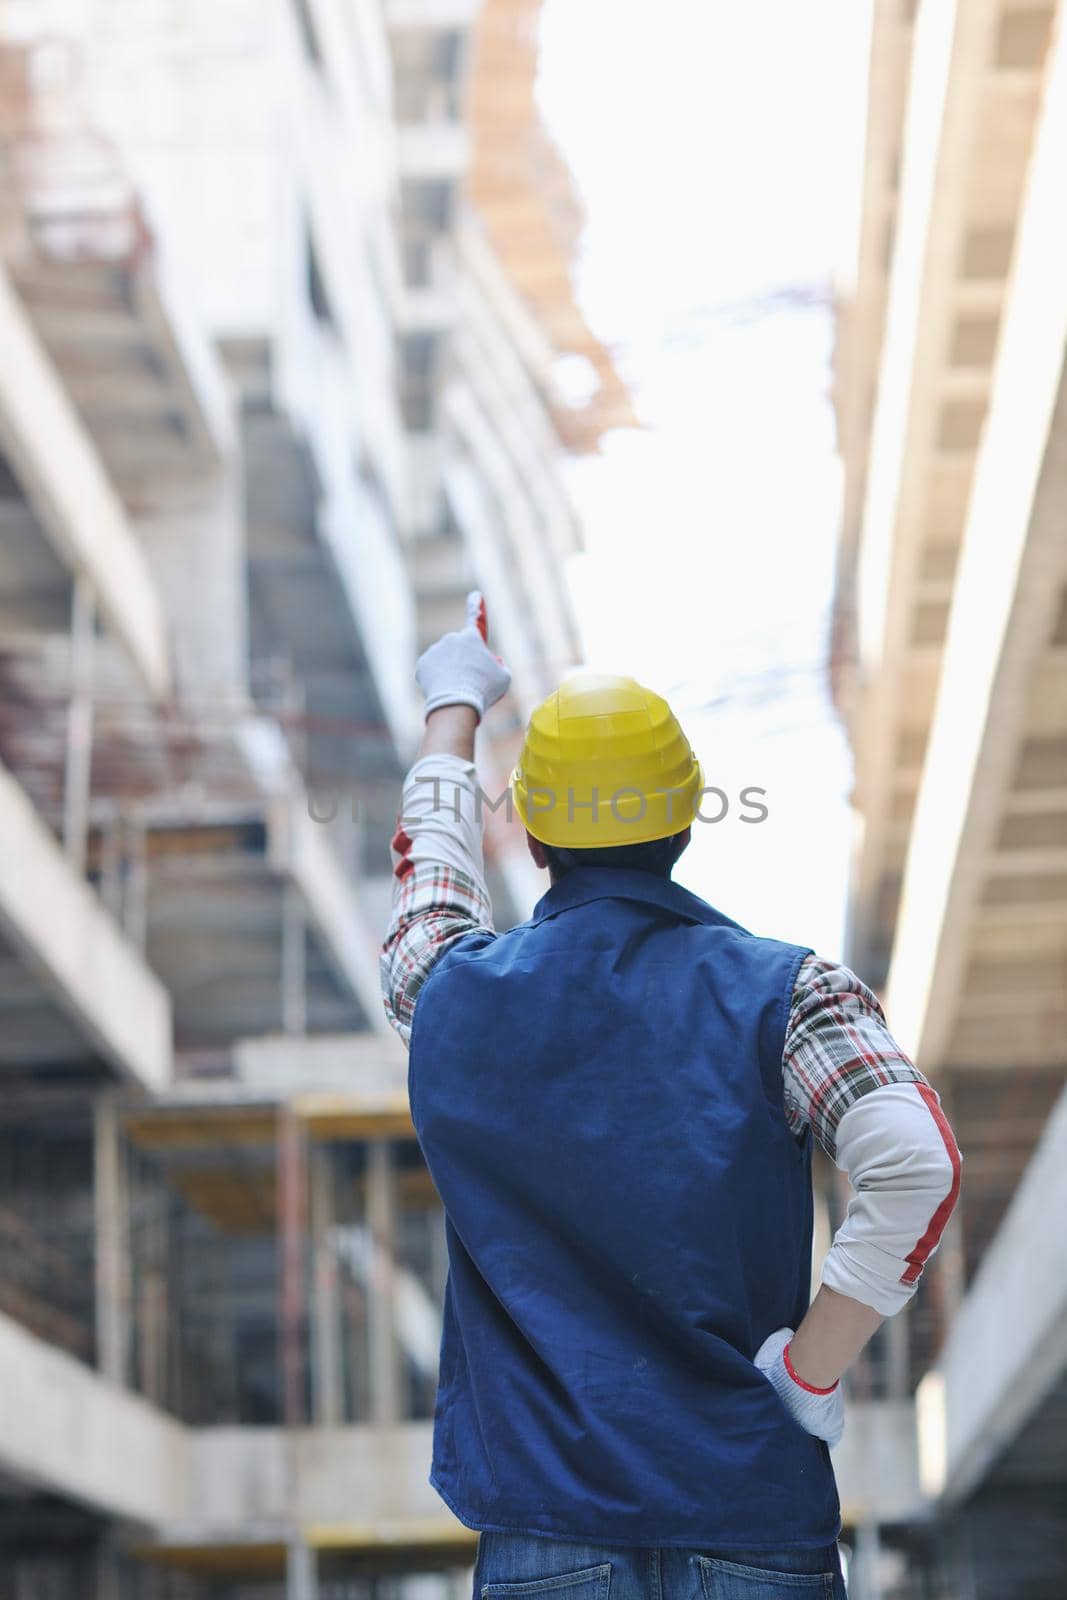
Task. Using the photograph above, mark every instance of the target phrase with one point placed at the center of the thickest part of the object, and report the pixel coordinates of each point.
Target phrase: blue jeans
(518, 1566)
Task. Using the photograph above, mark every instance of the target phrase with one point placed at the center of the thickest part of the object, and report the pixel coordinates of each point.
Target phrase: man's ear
(537, 850)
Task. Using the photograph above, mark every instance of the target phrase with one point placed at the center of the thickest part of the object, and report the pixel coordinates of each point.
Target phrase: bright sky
(717, 148)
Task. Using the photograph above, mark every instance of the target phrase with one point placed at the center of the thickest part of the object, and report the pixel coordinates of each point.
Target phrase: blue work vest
(598, 1095)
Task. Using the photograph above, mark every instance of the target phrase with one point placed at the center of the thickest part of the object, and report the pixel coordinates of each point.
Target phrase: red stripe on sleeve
(401, 844)
(918, 1256)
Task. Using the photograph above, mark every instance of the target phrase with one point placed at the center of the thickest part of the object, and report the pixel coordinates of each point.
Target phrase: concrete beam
(1012, 569)
(537, 527)
(62, 477)
(364, 1485)
(381, 1284)
(315, 1478)
(372, 1067)
(66, 1430)
(953, 43)
(369, 566)
(435, 16)
(525, 337)
(299, 848)
(194, 534)
(69, 1432)
(194, 371)
(433, 150)
(326, 1315)
(58, 924)
(470, 504)
(111, 1242)
(421, 311)
(1008, 1343)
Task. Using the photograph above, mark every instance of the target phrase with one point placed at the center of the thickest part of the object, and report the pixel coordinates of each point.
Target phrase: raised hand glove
(460, 669)
(819, 1411)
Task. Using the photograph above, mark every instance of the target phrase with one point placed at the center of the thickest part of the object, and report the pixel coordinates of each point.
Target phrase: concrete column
(327, 1366)
(64, 481)
(77, 776)
(439, 1252)
(107, 1579)
(135, 889)
(897, 1351)
(381, 1283)
(822, 1224)
(110, 885)
(1006, 1349)
(195, 539)
(292, 1180)
(152, 1308)
(864, 1577)
(294, 961)
(301, 1571)
(300, 850)
(112, 1243)
(952, 1268)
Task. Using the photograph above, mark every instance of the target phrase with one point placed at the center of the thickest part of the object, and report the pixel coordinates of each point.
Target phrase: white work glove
(819, 1412)
(460, 669)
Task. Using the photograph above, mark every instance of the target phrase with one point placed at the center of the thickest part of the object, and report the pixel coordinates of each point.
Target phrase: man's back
(598, 1094)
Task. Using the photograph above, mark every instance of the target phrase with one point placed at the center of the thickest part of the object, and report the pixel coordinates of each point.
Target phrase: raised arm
(439, 892)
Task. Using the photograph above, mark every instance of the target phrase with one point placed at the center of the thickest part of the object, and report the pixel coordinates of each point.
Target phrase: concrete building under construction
(271, 402)
(287, 341)
(950, 667)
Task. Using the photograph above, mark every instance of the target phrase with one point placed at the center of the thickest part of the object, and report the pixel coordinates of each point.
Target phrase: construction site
(286, 306)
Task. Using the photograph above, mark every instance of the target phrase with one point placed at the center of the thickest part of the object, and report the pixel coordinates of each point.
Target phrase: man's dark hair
(657, 856)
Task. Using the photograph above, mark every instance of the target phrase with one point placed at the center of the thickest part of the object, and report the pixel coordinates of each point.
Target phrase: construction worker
(617, 1101)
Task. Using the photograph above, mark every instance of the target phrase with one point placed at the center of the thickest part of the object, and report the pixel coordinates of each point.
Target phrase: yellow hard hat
(605, 762)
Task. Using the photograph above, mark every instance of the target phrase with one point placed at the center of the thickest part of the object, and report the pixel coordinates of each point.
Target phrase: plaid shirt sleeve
(837, 1049)
(435, 904)
(439, 890)
(880, 1121)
